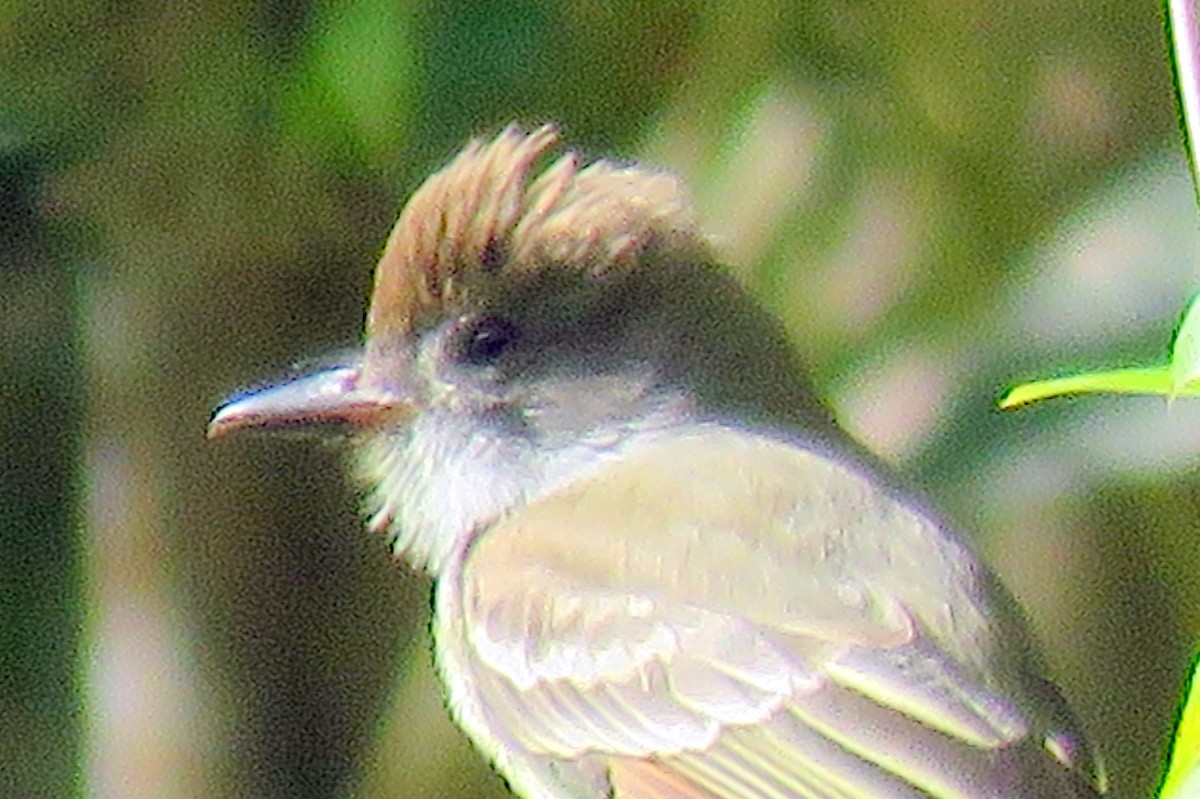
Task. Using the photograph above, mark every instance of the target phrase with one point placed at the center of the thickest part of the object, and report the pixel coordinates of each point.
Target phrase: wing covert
(623, 634)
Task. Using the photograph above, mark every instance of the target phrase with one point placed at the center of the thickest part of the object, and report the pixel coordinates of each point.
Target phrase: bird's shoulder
(778, 532)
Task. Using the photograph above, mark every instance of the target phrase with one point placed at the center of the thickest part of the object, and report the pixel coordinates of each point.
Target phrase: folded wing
(720, 653)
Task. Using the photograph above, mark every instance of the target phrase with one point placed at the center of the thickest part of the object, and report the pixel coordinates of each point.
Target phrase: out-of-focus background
(939, 198)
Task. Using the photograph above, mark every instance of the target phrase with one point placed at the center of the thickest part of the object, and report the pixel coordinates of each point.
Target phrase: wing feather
(808, 758)
(715, 772)
(923, 683)
(621, 635)
(644, 779)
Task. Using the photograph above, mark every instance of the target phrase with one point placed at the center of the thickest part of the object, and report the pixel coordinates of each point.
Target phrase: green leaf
(1183, 776)
(1185, 59)
(1185, 352)
(1148, 380)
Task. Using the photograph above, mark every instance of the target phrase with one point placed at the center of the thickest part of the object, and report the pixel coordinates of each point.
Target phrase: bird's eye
(485, 339)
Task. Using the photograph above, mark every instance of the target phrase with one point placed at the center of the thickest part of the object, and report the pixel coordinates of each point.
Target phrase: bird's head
(523, 327)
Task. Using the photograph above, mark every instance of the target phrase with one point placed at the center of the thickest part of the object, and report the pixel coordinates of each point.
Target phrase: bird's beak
(336, 397)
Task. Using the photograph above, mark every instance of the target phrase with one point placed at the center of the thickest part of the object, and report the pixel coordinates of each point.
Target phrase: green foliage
(1149, 380)
(1179, 378)
(1182, 780)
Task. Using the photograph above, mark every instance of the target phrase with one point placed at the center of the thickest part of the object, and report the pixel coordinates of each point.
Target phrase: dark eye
(485, 339)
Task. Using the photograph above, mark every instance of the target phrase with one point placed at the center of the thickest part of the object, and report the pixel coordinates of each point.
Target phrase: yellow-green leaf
(1183, 776)
(1185, 351)
(1148, 380)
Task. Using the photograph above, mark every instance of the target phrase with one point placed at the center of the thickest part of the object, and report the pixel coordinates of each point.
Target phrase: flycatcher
(662, 571)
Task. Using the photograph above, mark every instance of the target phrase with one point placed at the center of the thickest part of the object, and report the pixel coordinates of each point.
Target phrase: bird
(661, 568)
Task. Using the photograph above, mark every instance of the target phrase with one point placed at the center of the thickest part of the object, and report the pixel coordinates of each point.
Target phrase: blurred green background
(941, 198)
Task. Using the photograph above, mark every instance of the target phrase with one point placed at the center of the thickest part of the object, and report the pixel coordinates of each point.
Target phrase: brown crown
(482, 215)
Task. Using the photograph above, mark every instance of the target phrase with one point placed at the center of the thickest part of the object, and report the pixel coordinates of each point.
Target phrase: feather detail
(481, 221)
(588, 631)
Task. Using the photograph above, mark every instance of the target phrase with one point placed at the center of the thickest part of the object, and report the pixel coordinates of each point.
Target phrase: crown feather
(482, 219)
